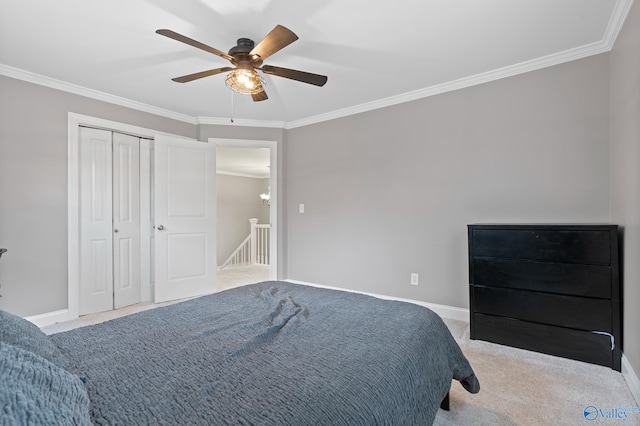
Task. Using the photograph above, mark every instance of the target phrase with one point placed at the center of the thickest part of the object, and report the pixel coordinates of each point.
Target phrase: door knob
(115, 230)
(160, 227)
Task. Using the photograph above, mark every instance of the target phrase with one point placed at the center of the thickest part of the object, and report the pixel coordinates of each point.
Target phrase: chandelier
(266, 198)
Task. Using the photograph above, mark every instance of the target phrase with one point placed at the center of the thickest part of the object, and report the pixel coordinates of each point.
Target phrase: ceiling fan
(246, 58)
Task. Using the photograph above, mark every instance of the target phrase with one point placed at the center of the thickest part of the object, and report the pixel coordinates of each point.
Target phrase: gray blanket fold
(272, 353)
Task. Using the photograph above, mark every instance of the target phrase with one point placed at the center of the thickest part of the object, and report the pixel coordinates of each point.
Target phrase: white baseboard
(444, 311)
(51, 317)
(631, 378)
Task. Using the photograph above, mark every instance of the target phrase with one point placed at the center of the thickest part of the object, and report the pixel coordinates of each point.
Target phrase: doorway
(243, 215)
(273, 189)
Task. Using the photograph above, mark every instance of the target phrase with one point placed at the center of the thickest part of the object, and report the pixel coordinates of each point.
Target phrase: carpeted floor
(233, 277)
(225, 279)
(518, 387)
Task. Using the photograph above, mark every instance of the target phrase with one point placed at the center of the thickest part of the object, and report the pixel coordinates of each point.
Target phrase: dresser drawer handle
(604, 333)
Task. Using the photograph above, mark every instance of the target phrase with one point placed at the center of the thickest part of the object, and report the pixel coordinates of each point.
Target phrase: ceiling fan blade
(260, 96)
(191, 42)
(195, 76)
(305, 77)
(278, 38)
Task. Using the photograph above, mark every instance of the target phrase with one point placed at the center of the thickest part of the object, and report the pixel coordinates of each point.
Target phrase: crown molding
(474, 80)
(246, 175)
(240, 122)
(620, 12)
(90, 93)
(619, 15)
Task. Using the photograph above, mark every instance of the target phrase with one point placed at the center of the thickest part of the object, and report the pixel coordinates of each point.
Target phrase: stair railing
(254, 250)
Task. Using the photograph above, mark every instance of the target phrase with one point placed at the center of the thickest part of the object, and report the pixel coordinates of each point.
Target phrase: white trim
(100, 123)
(146, 152)
(247, 175)
(50, 318)
(240, 122)
(631, 378)
(91, 93)
(462, 83)
(618, 16)
(73, 203)
(444, 311)
(273, 174)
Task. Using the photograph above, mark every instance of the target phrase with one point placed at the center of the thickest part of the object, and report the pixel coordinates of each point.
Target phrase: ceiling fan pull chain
(232, 106)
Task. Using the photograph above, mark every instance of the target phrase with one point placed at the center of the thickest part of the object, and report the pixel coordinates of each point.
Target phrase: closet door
(96, 248)
(126, 220)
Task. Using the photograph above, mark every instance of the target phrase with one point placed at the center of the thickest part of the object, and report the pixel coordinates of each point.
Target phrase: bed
(271, 353)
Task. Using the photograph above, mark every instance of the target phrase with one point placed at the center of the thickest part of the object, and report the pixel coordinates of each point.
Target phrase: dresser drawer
(562, 278)
(571, 246)
(565, 311)
(564, 342)
(552, 288)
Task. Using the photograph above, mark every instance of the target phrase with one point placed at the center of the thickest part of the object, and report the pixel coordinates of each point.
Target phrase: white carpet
(225, 279)
(241, 275)
(519, 387)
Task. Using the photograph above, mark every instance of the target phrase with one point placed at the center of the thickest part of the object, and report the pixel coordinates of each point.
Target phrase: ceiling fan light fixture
(245, 81)
(246, 57)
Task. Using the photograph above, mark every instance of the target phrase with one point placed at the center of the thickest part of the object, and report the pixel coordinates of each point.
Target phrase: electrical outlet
(414, 278)
(301, 208)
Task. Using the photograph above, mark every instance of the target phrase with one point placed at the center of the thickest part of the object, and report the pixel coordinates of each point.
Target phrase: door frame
(74, 122)
(274, 185)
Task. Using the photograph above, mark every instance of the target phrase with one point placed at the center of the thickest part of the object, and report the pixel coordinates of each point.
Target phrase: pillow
(26, 335)
(35, 391)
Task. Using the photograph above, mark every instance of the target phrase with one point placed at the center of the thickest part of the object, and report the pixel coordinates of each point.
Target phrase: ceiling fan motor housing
(242, 51)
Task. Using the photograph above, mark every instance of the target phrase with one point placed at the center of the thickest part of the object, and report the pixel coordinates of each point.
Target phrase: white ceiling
(248, 162)
(374, 53)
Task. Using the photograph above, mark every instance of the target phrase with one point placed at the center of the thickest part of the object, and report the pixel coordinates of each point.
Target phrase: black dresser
(547, 288)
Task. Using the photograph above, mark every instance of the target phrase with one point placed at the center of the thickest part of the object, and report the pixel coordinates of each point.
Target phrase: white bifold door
(179, 203)
(109, 220)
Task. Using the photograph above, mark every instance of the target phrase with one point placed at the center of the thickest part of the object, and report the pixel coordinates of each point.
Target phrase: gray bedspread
(272, 353)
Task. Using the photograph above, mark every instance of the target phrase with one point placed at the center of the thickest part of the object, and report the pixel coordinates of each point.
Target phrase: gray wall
(33, 188)
(390, 192)
(238, 200)
(386, 192)
(625, 170)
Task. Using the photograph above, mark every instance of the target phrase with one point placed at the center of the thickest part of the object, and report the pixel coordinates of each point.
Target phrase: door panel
(126, 220)
(185, 209)
(98, 275)
(96, 267)
(186, 182)
(187, 254)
